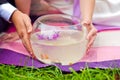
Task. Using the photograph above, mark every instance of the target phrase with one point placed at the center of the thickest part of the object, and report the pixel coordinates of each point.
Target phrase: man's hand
(24, 29)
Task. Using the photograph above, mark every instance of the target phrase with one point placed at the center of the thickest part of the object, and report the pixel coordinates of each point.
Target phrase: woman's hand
(42, 7)
(24, 29)
(87, 10)
(92, 32)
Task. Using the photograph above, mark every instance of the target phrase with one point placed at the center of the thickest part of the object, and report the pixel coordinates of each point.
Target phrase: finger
(28, 24)
(11, 39)
(2, 38)
(90, 43)
(44, 4)
(3, 33)
(27, 45)
(91, 33)
(5, 37)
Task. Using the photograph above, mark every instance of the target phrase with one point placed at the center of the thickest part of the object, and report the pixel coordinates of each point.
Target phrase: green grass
(8, 72)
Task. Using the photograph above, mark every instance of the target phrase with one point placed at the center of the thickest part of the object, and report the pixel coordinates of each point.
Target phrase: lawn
(10, 72)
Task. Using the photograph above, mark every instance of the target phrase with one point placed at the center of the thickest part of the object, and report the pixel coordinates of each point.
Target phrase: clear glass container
(58, 38)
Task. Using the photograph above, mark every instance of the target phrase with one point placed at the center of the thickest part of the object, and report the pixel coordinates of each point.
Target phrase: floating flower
(48, 35)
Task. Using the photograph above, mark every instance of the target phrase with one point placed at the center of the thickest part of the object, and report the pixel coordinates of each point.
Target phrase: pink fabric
(11, 28)
(15, 46)
(95, 54)
(105, 53)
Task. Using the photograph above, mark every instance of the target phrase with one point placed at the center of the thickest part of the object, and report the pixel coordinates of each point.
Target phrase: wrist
(86, 22)
(15, 14)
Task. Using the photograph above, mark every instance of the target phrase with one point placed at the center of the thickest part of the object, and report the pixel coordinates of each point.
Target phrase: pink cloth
(96, 54)
(14, 46)
(106, 53)
(11, 28)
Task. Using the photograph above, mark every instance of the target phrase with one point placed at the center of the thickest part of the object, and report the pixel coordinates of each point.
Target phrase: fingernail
(29, 30)
(32, 55)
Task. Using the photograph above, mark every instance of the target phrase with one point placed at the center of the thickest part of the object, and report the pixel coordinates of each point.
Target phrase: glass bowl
(59, 38)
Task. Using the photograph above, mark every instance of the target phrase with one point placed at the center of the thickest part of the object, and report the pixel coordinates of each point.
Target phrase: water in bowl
(67, 47)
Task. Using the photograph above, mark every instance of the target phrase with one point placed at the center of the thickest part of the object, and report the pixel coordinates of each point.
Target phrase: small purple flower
(40, 37)
(56, 35)
(48, 35)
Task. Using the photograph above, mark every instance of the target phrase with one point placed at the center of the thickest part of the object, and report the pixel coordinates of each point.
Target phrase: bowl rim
(76, 24)
(49, 15)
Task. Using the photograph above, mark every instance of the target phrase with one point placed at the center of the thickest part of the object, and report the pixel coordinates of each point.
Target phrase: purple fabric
(76, 9)
(14, 58)
(18, 59)
(11, 57)
(103, 27)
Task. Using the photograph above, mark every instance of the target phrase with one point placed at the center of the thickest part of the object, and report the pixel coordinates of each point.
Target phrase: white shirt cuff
(6, 10)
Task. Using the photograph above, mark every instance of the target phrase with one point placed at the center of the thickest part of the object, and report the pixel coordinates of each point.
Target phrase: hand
(43, 7)
(24, 29)
(9, 37)
(92, 32)
(47, 8)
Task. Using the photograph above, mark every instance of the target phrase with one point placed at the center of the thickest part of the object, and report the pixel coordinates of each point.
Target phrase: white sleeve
(6, 10)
